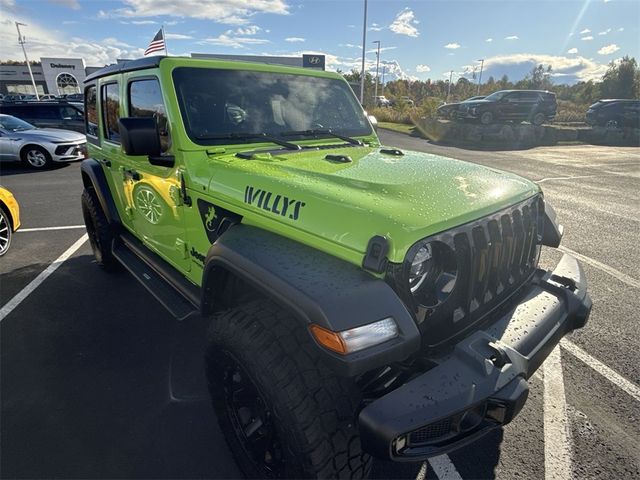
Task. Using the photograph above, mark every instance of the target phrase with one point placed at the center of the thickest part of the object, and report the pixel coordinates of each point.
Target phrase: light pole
(375, 95)
(364, 48)
(22, 41)
(480, 77)
(449, 88)
(384, 69)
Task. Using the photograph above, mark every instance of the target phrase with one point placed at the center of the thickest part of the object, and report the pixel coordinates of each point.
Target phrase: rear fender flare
(93, 176)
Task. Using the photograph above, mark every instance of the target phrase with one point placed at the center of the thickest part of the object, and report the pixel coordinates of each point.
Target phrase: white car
(38, 147)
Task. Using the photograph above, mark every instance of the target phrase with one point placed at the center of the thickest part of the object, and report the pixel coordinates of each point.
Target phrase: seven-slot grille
(495, 256)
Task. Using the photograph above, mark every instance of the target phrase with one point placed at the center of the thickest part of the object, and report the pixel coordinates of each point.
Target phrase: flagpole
(164, 37)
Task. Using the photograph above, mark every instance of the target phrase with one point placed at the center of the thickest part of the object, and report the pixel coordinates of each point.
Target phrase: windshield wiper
(247, 136)
(316, 132)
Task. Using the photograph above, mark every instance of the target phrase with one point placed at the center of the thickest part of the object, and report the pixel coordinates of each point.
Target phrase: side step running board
(160, 288)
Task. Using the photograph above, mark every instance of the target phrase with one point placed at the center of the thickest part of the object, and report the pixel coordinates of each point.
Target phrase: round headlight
(432, 273)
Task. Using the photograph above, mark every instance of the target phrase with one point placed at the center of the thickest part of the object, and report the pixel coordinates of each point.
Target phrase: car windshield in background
(13, 124)
(219, 105)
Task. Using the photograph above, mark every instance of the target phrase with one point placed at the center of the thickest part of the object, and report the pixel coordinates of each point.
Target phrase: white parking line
(623, 277)
(611, 375)
(444, 468)
(557, 443)
(45, 229)
(35, 283)
(422, 474)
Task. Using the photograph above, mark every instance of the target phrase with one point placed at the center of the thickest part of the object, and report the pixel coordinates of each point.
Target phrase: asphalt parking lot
(89, 368)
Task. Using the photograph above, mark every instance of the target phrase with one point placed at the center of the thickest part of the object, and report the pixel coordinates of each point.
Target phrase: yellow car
(9, 219)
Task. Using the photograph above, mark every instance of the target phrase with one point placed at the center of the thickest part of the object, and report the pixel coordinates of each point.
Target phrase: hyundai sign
(313, 61)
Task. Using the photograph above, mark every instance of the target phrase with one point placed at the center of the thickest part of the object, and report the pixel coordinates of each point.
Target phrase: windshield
(13, 124)
(217, 105)
(494, 97)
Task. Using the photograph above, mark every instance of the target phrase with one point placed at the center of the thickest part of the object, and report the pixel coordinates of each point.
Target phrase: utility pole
(480, 77)
(384, 69)
(21, 41)
(364, 52)
(375, 95)
(449, 87)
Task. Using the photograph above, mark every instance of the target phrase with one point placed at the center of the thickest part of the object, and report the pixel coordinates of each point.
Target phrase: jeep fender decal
(274, 203)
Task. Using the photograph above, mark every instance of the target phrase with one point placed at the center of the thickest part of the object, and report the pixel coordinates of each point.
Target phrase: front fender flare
(316, 287)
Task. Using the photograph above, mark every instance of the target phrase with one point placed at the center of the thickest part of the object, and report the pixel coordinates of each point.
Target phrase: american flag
(157, 44)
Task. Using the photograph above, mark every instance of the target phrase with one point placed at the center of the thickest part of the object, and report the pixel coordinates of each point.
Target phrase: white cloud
(585, 31)
(383, 49)
(423, 68)
(621, 29)
(586, 39)
(73, 4)
(349, 45)
(178, 36)
(405, 23)
(43, 42)
(232, 12)
(489, 40)
(228, 39)
(452, 46)
(294, 39)
(70, 22)
(604, 32)
(138, 22)
(7, 5)
(572, 51)
(249, 30)
(571, 69)
(609, 49)
(511, 37)
(375, 27)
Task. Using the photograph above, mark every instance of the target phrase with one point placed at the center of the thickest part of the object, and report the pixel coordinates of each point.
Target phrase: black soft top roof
(129, 66)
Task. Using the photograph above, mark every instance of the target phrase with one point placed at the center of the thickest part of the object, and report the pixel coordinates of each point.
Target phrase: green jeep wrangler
(363, 301)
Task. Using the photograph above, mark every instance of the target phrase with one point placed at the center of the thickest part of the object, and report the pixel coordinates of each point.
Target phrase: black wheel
(612, 124)
(282, 411)
(486, 118)
(35, 156)
(100, 233)
(6, 232)
(538, 119)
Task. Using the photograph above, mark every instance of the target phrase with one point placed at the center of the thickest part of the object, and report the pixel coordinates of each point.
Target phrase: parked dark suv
(535, 106)
(614, 113)
(47, 114)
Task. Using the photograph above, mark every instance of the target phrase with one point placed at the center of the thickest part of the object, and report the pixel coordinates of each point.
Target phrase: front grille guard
(495, 255)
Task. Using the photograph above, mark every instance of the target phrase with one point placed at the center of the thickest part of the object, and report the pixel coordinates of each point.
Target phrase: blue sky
(420, 39)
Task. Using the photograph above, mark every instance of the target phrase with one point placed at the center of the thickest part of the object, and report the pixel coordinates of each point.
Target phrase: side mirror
(373, 121)
(140, 136)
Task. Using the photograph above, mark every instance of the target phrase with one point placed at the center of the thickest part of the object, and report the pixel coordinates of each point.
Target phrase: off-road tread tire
(315, 410)
(96, 221)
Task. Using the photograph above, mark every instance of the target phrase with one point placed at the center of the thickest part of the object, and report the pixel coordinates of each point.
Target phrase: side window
(512, 97)
(110, 99)
(145, 100)
(91, 110)
(70, 113)
(45, 112)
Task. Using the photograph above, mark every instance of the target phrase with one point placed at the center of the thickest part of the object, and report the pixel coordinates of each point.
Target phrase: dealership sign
(313, 61)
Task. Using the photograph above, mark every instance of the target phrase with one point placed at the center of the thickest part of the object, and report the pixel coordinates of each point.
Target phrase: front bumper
(68, 152)
(482, 383)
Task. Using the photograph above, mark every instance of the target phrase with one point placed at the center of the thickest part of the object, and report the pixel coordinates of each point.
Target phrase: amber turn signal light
(328, 339)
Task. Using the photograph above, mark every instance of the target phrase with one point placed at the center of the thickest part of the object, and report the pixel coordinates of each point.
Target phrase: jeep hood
(404, 198)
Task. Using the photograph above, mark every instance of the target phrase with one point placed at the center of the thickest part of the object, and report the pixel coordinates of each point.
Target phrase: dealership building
(59, 76)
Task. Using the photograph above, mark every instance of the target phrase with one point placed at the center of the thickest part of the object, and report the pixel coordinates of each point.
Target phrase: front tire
(6, 232)
(36, 157)
(101, 235)
(283, 412)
